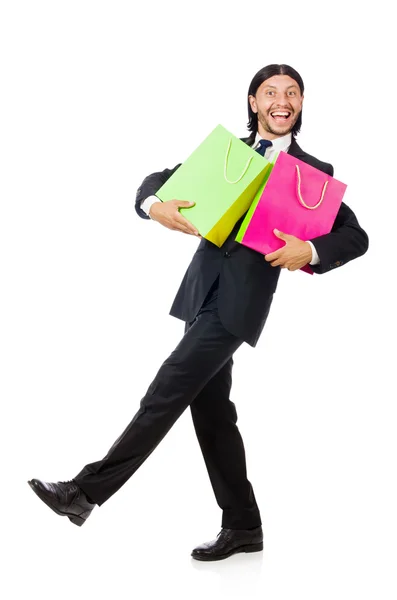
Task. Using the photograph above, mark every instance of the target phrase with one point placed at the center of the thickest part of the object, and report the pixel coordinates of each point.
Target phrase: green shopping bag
(222, 177)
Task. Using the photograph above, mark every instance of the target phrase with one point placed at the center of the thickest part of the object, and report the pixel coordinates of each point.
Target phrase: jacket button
(227, 255)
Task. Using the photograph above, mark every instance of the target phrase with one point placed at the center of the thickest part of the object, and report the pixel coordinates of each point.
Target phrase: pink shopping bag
(295, 198)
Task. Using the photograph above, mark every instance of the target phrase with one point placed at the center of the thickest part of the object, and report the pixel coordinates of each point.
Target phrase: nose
(282, 99)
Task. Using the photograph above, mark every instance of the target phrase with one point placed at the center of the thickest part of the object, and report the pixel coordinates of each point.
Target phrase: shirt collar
(279, 144)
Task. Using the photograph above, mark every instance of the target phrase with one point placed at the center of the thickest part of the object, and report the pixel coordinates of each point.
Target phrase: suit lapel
(296, 150)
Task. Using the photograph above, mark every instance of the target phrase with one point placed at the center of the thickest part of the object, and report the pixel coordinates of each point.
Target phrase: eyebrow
(290, 86)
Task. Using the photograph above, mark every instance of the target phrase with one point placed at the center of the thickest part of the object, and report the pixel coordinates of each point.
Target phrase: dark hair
(258, 79)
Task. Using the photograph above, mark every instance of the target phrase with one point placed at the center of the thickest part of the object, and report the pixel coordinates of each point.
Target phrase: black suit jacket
(246, 281)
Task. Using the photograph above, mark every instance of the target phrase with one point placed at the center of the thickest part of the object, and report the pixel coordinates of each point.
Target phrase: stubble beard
(264, 120)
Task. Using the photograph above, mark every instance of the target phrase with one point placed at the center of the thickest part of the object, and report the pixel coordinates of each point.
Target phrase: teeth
(280, 114)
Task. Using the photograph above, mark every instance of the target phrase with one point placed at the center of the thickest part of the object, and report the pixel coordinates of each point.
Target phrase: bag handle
(225, 165)
(300, 195)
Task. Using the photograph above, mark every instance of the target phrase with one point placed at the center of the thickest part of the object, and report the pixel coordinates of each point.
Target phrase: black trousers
(197, 373)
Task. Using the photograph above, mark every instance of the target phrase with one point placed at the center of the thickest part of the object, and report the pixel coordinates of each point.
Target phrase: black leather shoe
(230, 541)
(65, 498)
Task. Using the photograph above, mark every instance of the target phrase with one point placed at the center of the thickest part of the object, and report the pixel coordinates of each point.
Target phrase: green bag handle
(225, 165)
(300, 195)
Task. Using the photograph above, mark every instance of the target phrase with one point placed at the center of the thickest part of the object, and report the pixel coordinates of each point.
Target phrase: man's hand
(167, 213)
(294, 255)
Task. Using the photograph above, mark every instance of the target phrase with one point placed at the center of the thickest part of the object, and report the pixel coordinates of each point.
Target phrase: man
(224, 299)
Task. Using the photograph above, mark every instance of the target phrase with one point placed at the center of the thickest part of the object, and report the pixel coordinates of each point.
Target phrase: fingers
(276, 259)
(273, 255)
(181, 222)
(177, 222)
(176, 226)
(183, 203)
(183, 229)
(279, 234)
(282, 235)
(278, 263)
(284, 265)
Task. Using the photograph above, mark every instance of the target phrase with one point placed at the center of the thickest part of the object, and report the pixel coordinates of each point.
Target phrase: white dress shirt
(278, 145)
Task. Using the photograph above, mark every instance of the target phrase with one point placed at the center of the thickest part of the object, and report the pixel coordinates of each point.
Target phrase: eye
(269, 93)
(291, 93)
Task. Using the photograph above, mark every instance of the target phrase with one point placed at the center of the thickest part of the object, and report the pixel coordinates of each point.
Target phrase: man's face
(278, 103)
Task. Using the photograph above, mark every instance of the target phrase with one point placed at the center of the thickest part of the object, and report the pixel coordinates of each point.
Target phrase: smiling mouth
(280, 116)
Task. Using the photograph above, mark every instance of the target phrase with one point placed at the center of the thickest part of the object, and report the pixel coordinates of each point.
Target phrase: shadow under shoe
(229, 542)
(65, 498)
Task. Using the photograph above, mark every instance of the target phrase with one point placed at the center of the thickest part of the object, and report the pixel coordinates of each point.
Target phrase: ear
(252, 101)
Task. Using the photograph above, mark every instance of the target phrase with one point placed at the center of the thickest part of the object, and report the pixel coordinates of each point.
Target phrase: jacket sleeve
(149, 186)
(345, 242)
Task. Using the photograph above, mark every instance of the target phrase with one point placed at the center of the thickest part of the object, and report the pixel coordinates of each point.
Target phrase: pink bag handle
(300, 195)
(225, 165)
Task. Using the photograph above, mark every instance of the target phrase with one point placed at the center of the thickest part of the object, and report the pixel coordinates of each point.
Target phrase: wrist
(153, 210)
(309, 252)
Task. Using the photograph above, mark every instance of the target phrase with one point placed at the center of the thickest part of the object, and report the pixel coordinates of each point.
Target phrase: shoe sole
(249, 548)
(75, 519)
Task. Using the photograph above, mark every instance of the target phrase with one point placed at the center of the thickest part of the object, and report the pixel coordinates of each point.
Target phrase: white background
(94, 97)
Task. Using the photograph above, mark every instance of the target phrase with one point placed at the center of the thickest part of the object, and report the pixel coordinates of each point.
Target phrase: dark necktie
(263, 146)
